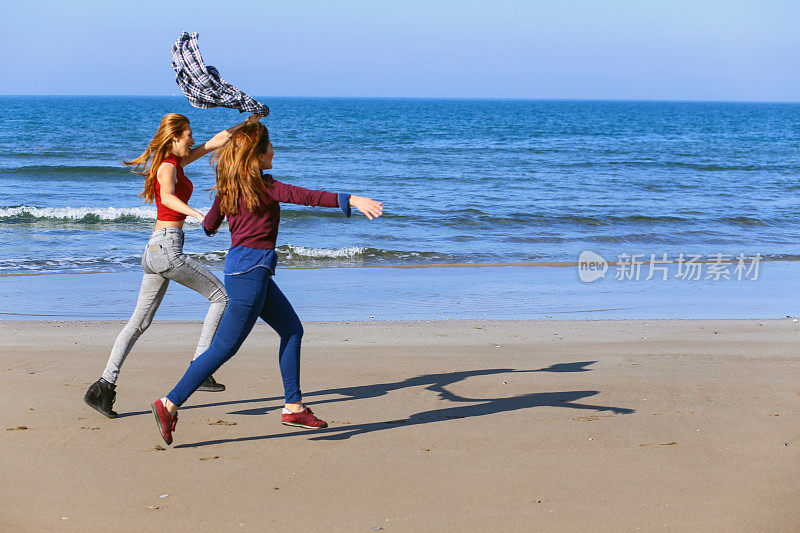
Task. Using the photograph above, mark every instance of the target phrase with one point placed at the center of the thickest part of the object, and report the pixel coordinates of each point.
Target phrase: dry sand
(434, 426)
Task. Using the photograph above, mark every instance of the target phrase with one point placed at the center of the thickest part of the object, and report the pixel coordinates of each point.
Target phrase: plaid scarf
(202, 84)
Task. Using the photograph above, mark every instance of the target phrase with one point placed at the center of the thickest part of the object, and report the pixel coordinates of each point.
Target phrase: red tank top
(183, 190)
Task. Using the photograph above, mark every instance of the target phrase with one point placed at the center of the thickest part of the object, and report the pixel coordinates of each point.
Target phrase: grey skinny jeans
(164, 260)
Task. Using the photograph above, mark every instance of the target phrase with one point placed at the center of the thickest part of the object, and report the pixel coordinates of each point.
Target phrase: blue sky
(618, 49)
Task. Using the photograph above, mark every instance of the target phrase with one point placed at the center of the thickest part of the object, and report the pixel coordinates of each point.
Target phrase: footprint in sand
(591, 418)
(217, 422)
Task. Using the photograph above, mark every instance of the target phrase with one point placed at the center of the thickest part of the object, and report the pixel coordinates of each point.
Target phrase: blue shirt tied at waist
(241, 259)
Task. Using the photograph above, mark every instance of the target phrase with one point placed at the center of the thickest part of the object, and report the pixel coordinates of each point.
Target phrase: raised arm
(217, 141)
(167, 178)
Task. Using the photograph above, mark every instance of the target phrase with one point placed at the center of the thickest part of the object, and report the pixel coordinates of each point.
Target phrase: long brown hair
(172, 125)
(238, 172)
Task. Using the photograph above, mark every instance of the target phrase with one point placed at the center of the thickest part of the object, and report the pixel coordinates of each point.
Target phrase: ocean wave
(300, 214)
(552, 220)
(108, 263)
(348, 252)
(470, 217)
(144, 213)
(289, 256)
(292, 255)
(704, 167)
(299, 257)
(24, 213)
(208, 258)
(64, 172)
(743, 221)
(478, 218)
(80, 215)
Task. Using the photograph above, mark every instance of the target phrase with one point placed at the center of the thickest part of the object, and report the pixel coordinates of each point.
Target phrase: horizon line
(509, 98)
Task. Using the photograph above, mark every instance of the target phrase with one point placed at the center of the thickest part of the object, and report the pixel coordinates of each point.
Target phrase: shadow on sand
(433, 382)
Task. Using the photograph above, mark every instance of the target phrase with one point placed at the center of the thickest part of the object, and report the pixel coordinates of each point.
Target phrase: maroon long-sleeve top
(260, 230)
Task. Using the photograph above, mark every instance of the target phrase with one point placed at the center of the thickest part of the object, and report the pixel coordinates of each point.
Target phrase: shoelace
(314, 419)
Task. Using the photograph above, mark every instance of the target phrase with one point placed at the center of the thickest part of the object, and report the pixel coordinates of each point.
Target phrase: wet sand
(434, 426)
(466, 292)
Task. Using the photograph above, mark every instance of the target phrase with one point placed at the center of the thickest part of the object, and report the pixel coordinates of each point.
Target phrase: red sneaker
(303, 419)
(165, 421)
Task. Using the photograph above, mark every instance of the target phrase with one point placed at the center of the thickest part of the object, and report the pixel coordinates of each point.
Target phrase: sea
(489, 207)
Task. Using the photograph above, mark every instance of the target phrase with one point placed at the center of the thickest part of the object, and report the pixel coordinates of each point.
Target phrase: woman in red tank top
(161, 165)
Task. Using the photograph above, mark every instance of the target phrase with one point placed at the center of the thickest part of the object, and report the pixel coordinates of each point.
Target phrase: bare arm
(217, 141)
(167, 178)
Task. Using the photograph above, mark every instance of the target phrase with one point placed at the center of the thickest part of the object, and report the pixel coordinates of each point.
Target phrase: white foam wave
(324, 253)
(209, 257)
(80, 213)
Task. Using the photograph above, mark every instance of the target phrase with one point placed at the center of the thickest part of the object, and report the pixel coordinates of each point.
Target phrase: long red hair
(172, 125)
(237, 169)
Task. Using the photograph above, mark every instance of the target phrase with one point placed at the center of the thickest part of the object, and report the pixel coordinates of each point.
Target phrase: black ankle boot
(211, 385)
(100, 397)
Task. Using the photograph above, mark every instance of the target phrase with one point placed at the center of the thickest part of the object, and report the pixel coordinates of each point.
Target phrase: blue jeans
(250, 295)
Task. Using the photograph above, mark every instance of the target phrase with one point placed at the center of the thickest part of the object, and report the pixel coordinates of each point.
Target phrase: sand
(434, 426)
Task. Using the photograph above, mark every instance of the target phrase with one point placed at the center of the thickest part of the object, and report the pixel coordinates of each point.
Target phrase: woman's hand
(368, 206)
(198, 215)
(217, 141)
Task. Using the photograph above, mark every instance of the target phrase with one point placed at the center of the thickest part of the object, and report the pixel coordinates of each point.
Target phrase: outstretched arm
(283, 192)
(217, 141)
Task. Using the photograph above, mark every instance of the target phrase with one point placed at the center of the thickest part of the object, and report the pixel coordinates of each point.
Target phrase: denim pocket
(157, 258)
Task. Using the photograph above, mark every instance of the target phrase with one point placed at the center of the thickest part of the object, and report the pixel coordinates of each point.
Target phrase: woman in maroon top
(163, 260)
(250, 201)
